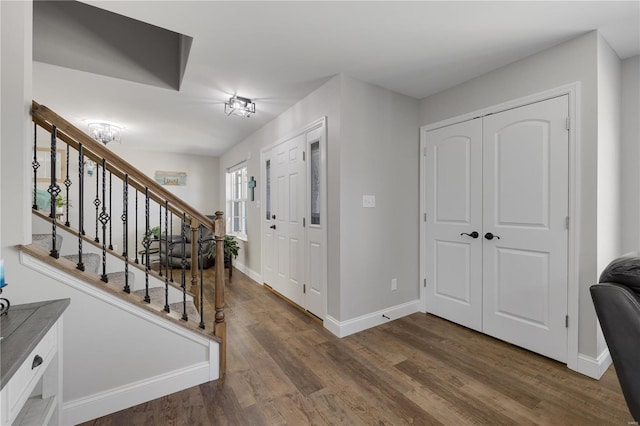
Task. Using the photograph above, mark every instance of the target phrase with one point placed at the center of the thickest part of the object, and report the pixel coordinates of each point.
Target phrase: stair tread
(157, 295)
(91, 261)
(118, 278)
(44, 240)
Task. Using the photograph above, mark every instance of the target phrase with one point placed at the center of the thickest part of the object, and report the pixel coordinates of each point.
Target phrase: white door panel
(526, 205)
(289, 172)
(505, 175)
(454, 203)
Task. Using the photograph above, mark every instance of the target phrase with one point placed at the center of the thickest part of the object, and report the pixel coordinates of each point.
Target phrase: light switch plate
(368, 201)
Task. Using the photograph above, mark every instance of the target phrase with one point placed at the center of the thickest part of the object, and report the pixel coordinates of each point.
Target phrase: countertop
(21, 330)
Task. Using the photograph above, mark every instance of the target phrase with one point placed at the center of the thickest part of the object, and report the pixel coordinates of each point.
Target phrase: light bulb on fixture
(240, 106)
(105, 133)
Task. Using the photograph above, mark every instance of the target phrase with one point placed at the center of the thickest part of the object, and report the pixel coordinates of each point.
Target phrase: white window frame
(237, 195)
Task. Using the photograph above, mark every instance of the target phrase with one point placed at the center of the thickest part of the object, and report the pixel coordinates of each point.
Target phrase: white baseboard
(594, 367)
(345, 328)
(110, 401)
(248, 272)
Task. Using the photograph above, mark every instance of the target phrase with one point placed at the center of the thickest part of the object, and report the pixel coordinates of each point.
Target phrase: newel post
(219, 326)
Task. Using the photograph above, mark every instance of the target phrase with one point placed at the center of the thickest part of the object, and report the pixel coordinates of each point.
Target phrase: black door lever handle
(490, 236)
(272, 227)
(474, 234)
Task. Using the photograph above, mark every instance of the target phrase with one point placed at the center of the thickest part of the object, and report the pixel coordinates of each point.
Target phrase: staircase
(103, 239)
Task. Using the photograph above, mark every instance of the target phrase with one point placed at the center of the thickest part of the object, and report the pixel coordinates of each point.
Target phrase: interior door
(454, 213)
(288, 187)
(525, 208)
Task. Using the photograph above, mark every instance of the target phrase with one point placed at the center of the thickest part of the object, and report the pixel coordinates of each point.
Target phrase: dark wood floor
(284, 368)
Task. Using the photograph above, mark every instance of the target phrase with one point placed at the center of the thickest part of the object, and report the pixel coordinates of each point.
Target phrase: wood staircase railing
(199, 229)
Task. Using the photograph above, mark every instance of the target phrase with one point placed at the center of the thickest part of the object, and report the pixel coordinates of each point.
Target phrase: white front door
(294, 218)
(288, 204)
(504, 176)
(454, 213)
(526, 155)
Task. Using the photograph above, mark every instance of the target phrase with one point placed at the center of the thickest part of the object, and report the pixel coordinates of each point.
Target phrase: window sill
(240, 237)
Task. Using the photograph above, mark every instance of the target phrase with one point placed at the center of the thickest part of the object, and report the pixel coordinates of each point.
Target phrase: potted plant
(60, 203)
(154, 233)
(231, 248)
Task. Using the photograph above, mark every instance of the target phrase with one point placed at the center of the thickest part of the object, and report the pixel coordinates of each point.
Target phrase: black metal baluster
(54, 191)
(67, 183)
(171, 253)
(80, 264)
(136, 246)
(201, 253)
(96, 201)
(160, 235)
(125, 231)
(146, 242)
(183, 264)
(104, 219)
(110, 212)
(35, 166)
(166, 256)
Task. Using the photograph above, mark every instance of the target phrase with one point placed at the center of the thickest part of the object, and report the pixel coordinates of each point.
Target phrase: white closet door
(525, 204)
(454, 207)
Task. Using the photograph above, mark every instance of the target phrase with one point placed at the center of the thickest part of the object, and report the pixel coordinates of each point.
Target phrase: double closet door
(496, 193)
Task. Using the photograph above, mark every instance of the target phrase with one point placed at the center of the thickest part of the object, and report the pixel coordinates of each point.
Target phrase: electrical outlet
(394, 284)
(368, 201)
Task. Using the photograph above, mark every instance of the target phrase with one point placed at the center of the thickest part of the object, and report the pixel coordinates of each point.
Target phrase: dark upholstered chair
(175, 251)
(617, 302)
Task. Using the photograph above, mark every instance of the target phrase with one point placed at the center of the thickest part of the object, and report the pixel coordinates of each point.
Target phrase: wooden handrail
(95, 151)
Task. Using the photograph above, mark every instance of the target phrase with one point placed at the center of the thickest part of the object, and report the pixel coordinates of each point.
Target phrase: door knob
(273, 217)
(474, 234)
(490, 236)
(272, 227)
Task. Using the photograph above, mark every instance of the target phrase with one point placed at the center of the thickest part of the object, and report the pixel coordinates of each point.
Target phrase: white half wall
(112, 346)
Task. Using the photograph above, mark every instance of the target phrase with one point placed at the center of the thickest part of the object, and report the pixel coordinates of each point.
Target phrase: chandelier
(240, 106)
(105, 133)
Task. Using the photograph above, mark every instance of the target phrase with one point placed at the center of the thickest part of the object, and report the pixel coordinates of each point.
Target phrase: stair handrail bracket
(156, 202)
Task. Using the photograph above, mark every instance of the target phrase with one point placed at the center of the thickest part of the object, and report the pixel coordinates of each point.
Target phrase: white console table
(31, 364)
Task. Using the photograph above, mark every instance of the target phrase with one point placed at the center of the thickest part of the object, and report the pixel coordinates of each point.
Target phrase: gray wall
(609, 159)
(379, 147)
(630, 148)
(323, 102)
(372, 148)
(573, 61)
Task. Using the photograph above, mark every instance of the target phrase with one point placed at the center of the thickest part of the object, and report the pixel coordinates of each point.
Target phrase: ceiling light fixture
(240, 106)
(105, 133)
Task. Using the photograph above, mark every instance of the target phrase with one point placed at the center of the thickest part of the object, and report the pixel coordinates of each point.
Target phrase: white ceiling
(278, 52)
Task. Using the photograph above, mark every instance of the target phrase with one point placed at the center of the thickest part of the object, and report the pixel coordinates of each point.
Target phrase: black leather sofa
(617, 302)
